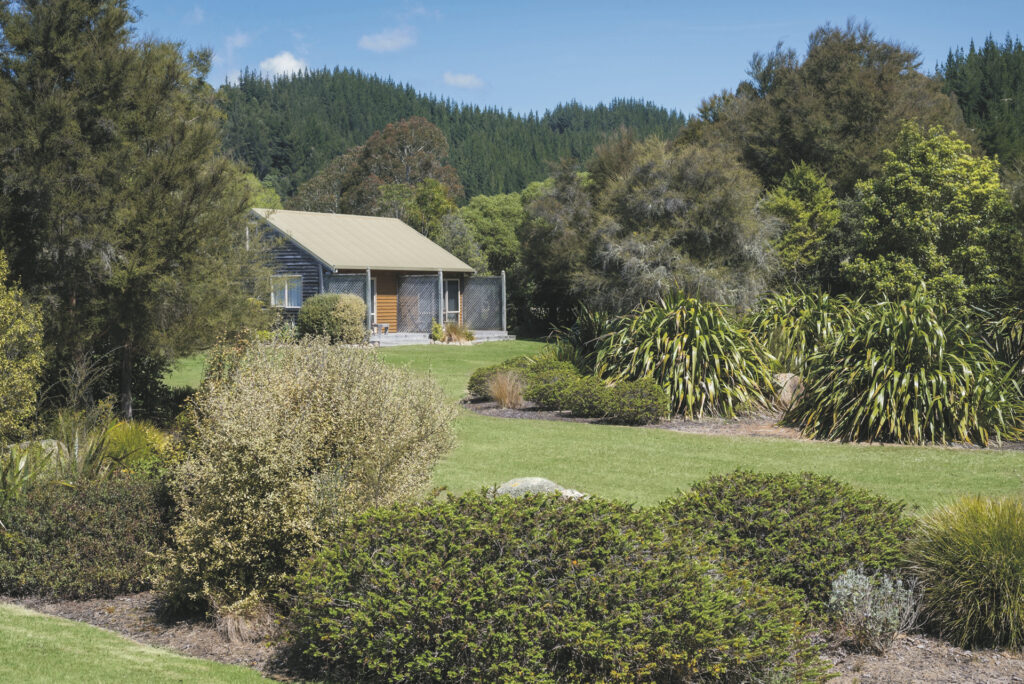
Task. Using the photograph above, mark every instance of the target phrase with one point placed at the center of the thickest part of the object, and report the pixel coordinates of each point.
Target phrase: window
(451, 301)
(286, 291)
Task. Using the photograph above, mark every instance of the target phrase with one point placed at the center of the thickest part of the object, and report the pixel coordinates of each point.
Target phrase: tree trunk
(127, 366)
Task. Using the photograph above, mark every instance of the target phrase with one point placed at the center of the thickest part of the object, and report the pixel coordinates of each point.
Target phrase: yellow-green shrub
(21, 357)
(285, 441)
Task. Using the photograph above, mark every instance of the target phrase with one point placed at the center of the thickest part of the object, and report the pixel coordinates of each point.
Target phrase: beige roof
(346, 241)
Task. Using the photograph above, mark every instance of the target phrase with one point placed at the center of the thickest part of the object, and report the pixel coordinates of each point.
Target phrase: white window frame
(458, 300)
(292, 285)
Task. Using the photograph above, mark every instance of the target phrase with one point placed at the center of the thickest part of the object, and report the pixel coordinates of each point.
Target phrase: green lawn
(645, 465)
(40, 648)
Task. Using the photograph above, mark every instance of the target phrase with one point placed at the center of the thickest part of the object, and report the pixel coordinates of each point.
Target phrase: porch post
(320, 272)
(440, 297)
(504, 307)
(369, 296)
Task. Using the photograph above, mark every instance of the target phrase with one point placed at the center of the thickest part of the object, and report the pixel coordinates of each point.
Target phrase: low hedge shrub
(481, 377)
(538, 588)
(797, 530)
(94, 539)
(969, 557)
(637, 402)
(584, 396)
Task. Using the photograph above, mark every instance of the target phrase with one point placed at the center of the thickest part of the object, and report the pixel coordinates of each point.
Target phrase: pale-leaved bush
(284, 442)
(869, 611)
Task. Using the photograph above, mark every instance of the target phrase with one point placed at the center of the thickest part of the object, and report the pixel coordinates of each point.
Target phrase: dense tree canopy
(935, 215)
(837, 109)
(989, 85)
(288, 128)
(117, 212)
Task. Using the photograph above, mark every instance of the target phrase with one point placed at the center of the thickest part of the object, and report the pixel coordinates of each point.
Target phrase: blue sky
(532, 55)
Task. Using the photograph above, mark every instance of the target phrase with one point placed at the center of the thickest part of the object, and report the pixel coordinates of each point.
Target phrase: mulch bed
(765, 425)
(136, 616)
(912, 658)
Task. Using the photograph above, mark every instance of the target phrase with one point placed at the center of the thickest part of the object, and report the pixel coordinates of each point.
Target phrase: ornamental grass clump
(969, 558)
(506, 388)
(909, 372)
(285, 441)
(708, 365)
(485, 588)
(793, 325)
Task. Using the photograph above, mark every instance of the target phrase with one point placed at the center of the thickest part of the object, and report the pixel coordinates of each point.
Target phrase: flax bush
(911, 371)
(285, 441)
(708, 365)
(792, 325)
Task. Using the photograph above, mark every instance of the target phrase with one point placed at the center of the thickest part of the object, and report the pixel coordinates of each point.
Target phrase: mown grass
(40, 648)
(645, 465)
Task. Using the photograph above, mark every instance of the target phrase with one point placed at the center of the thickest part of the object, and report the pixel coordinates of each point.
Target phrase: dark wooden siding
(290, 259)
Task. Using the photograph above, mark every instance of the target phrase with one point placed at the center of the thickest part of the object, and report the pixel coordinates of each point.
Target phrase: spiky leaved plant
(907, 371)
(793, 324)
(708, 365)
(580, 342)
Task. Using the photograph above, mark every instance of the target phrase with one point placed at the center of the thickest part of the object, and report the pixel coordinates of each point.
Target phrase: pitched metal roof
(346, 241)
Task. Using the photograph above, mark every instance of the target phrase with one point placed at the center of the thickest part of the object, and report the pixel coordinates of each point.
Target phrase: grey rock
(789, 387)
(521, 486)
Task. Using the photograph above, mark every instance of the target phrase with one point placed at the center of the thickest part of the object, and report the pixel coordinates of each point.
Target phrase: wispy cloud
(281, 64)
(195, 15)
(391, 40)
(463, 80)
(238, 39)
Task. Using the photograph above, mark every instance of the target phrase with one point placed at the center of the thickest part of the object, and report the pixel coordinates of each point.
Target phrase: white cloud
(238, 39)
(391, 40)
(284, 63)
(195, 16)
(463, 80)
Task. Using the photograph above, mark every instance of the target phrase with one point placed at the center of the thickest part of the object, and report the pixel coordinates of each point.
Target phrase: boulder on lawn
(521, 486)
(788, 386)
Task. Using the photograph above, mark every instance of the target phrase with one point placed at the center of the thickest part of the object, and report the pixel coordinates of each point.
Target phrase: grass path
(40, 648)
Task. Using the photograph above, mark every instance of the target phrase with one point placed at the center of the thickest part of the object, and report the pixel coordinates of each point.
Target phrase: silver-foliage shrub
(869, 611)
(284, 442)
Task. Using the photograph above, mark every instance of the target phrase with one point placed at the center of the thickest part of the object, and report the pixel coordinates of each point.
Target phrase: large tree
(937, 215)
(119, 214)
(837, 109)
(404, 153)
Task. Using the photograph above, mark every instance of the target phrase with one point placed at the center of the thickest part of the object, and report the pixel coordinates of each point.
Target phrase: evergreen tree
(117, 212)
(989, 85)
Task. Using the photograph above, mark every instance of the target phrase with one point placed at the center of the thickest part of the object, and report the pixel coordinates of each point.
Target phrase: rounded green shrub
(284, 441)
(539, 589)
(585, 397)
(708, 365)
(637, 402)
(480, 378)
(969, 557)
(93, 539)
(351, 314)
(797, 530)
(910, 372)
(340, 317)
(547, 383)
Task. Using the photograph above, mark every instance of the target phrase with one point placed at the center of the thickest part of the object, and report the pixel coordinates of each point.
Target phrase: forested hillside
(288, 128)
(989, 85)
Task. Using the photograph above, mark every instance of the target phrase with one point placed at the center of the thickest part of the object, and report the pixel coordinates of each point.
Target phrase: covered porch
(401, 339)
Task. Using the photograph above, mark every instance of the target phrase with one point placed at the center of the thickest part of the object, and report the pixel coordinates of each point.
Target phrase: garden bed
(911, 658)
(745, 426)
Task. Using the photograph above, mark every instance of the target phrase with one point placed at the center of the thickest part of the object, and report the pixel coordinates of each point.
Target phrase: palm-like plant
(792, 325)
(909, 372)
(707, 364)
(579, 343)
